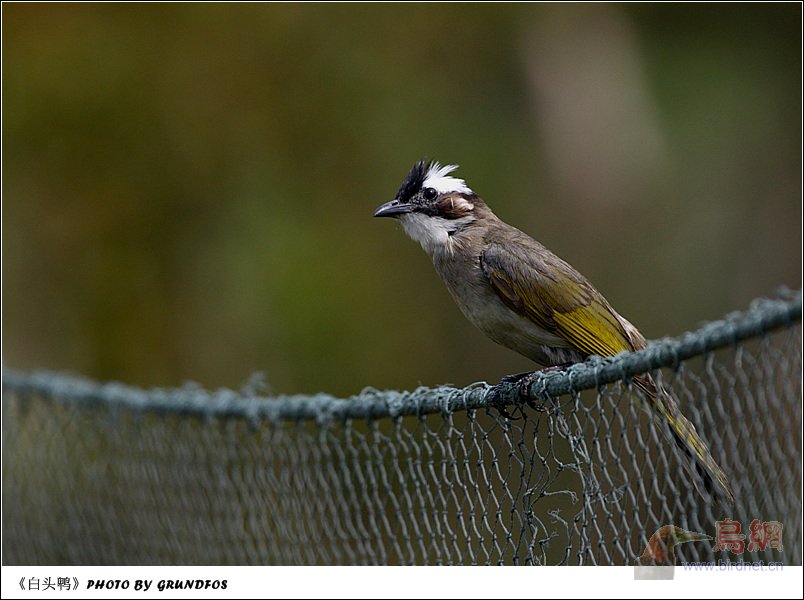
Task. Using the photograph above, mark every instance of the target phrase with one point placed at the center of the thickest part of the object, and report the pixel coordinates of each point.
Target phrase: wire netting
(110, 474)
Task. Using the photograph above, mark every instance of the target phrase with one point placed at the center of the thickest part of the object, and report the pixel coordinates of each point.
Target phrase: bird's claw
(517, 378)
(522, 382)
(556, 368)
(508, 380)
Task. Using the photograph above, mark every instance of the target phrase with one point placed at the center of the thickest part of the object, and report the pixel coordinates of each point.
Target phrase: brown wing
(538, 285)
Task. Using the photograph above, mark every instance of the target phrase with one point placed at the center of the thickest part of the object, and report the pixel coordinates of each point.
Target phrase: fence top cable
(764, 316)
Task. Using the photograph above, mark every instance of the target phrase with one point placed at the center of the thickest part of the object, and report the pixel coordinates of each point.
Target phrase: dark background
(188, 189)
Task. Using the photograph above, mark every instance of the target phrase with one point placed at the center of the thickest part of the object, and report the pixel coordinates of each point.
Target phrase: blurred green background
(188, 189)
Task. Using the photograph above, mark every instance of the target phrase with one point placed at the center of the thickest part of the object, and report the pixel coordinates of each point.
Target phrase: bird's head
(661, 544)
(432, 206)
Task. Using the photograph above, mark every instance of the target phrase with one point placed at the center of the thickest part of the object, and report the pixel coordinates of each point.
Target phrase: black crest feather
(414, 181)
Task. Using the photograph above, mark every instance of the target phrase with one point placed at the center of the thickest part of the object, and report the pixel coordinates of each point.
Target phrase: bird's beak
(394, 208)
(690, 536)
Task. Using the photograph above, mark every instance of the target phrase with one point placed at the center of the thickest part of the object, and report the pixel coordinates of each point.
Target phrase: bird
(524, 297)
(659, 551)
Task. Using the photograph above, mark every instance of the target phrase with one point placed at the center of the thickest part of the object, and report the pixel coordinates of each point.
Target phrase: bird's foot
(556, 368)
(522, 382)
(509, 380)
(518, 378)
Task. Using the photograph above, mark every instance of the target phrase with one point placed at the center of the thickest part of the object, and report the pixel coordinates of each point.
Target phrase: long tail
(700, 464)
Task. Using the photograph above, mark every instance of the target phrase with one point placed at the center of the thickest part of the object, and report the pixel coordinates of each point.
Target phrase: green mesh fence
(110, 474)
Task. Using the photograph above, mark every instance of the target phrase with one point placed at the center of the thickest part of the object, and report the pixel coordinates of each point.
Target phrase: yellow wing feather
(540, 286)
(553, 295)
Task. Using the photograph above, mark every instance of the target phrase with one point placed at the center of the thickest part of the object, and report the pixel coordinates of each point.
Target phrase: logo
(659, 559)
(764, 535)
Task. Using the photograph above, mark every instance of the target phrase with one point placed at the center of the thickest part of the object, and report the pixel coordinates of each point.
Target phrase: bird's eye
(430, 194)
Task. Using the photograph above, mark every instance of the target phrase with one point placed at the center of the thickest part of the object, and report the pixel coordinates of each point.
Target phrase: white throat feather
(435, 234)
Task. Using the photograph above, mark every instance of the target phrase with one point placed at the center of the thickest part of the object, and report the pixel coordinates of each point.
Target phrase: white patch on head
(438, 178)
(433, 233)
